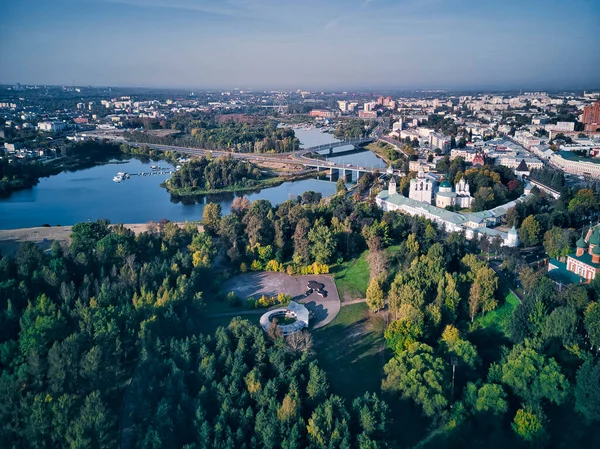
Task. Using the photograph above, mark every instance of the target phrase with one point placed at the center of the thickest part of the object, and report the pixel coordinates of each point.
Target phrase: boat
(118, 178)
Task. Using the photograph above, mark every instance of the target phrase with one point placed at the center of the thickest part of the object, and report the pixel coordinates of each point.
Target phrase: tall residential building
(591, 116)
(437, 140)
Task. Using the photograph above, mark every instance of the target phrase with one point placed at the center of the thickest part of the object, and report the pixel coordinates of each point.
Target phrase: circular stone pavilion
(296, 316)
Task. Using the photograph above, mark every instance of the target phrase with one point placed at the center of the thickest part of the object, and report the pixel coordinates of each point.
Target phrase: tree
(475, 299)
(489, 398)
(211, 217)
(202, 249)
(418, 374)
(94, 427)
(562, 324)
(371, 414)
(533, 376)
(340, 186)
(486, 278)
(529, 278)
(375, 295)
(592, 325)
(587, 390)
(378, 262)
(512, 217)
(557, 242)
(299, 342)
(322, 243)
(529, 424)
(328, 425)
(464, 350)
(584, 202)
(529, 232)
(301, 243)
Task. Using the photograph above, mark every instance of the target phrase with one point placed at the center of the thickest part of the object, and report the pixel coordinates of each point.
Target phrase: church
(424, 189)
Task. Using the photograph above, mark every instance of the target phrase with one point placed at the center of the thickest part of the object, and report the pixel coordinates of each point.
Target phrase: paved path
(252, 285)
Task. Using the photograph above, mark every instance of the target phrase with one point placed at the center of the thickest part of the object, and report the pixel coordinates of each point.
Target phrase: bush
(268, 301)
(232, 299)
(243, 267)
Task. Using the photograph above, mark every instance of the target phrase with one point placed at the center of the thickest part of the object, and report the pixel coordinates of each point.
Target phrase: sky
(302, 44)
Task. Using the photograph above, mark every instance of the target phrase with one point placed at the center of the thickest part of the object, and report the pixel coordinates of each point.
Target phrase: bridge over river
(300, 157)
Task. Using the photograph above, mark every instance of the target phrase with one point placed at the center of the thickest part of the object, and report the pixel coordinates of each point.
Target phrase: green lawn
(498, 319)
(350, 350)
(352, 278)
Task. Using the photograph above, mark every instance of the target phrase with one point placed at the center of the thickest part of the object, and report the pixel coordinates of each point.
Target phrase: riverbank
(44, 236)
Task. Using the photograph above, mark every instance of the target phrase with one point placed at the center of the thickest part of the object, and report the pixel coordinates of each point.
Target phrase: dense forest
(210, 174)
(115, 322)
(210, 132)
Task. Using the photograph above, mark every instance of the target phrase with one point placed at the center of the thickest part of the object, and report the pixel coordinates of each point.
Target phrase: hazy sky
(326, 44)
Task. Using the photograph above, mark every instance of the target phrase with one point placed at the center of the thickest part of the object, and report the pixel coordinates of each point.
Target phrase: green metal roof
(445, 183)
(594, 238)
(581, 243)
(562, 275)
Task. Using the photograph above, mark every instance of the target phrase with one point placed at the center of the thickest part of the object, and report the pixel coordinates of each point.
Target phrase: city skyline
(251, 44)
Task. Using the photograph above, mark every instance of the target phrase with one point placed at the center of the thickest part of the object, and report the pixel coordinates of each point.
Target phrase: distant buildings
(323, 113)
(367, 114)
(369, 106)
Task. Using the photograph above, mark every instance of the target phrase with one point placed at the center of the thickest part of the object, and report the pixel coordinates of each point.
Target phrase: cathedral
(461, 197)
(424, 189)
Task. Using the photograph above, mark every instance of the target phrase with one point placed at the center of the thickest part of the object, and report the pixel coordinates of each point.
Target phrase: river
(312, 137)
(91, 194)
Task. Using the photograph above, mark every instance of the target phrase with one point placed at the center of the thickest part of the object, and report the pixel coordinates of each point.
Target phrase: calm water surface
(312, 137)
(90, 194)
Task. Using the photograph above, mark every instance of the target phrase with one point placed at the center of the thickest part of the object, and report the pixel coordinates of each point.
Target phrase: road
(296, 157)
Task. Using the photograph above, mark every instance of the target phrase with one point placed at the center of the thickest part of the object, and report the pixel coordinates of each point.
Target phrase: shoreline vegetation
(206, 175)
(236, 188)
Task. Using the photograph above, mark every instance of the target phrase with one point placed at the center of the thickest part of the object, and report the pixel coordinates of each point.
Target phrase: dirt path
(353, 301)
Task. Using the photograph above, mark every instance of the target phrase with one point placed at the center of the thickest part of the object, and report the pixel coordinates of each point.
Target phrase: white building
(437, 140)
(561, 127)
(422, 188)
(575, 165)
(460, 196)
(474, 225)
(52, 127)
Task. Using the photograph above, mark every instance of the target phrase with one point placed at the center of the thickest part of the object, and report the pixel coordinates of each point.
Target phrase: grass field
(498, 319)
(350, 350)
(352, 278)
